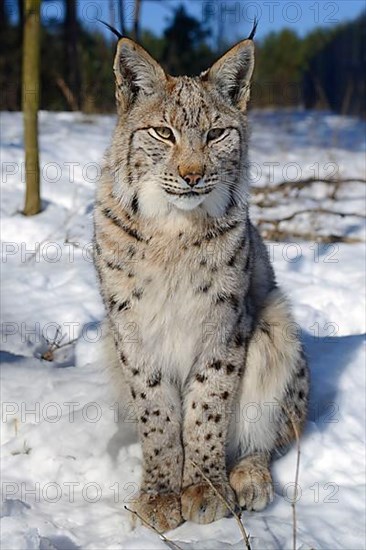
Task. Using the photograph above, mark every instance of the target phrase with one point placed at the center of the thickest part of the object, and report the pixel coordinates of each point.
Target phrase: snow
(68, 466)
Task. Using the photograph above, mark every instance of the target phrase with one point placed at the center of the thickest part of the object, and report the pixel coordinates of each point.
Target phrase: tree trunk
(71, 51)
(30, 102)
(4, 19)
(21, 18)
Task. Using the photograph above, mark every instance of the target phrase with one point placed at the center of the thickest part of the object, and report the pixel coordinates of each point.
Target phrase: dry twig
(312, 211)
(55, 344)
(66, 91)
(297, 472)
(276, 234)
(284, 185)
(271, 195)
(237, 517)
(169, 542)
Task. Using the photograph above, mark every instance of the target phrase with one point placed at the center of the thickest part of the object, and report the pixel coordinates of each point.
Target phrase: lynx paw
(252, 485)
(161, 511)
(201, 504)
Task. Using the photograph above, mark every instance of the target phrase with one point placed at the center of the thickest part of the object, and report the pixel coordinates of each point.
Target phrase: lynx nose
(192, 179)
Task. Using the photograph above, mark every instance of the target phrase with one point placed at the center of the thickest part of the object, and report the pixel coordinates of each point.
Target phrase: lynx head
(180, 145)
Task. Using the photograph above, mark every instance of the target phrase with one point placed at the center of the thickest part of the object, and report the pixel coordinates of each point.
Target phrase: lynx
(199, 327)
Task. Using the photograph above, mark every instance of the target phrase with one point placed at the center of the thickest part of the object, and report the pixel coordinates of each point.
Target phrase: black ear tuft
(254, 29)
(112, 29)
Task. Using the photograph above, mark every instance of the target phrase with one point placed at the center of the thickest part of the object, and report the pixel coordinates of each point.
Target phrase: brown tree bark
(30, 103)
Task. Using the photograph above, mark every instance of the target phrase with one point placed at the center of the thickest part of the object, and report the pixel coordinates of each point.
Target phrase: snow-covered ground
(68, 466)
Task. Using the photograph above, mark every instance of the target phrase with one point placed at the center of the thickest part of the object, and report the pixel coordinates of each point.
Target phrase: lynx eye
(165, 133)
(215, 133)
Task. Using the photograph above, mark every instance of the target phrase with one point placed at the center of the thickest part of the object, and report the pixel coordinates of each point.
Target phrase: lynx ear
(231, 74)
(136, 72)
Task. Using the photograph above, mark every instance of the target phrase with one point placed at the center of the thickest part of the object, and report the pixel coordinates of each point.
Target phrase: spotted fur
(196, 320)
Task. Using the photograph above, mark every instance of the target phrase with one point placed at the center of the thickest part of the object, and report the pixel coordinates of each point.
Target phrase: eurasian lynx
(199, 325)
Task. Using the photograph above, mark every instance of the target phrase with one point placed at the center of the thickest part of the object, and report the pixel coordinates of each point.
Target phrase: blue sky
(300, 15)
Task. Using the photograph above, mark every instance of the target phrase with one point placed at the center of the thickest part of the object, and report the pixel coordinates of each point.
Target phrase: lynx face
(180, 142)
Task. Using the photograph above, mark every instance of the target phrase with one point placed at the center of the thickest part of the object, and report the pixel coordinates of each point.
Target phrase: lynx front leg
(158, 412)
(208, 406)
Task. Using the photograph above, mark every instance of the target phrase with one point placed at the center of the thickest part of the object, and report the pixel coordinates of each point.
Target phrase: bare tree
(30, 102)
(21, 18)
(3, 16)
(71, 51)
